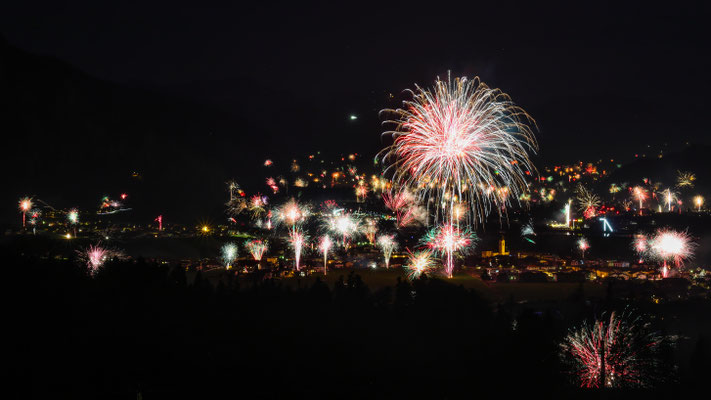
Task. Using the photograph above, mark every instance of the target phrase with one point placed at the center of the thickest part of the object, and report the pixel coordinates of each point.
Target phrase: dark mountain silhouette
(74, 138)
(694, 158)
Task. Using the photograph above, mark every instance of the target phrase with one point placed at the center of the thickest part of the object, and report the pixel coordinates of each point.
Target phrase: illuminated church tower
(502, 247)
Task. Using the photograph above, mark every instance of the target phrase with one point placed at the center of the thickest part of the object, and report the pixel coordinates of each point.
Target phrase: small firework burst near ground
(25, 205)
(324, 246)
(257, 248)
(292, 213)
(229, 254)
(297, 238)
(618, 352)
(670, 246)
(387, 244)
(583, 245)
(95, 256)
(419, 263)
(345, 225)
(369, 229)
(447, 240)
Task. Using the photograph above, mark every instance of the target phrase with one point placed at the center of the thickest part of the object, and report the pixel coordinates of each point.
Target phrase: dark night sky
(601, 79)
(589, 73)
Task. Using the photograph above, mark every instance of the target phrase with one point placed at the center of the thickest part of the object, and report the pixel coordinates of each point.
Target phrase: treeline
(138, 328)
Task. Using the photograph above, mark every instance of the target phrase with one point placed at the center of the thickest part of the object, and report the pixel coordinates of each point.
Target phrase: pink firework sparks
(403, 204)
(640, 245)
(273, 185)
(95, 256)
(257, 248)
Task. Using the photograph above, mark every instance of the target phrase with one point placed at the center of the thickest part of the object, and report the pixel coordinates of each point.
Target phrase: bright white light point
(353, 117)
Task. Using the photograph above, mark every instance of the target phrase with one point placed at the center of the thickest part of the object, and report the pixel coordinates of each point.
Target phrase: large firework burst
(456, 137)
(447, 240)
(615, 352)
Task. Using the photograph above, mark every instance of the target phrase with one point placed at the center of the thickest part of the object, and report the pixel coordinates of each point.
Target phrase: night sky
(601, 80)
(592, 74)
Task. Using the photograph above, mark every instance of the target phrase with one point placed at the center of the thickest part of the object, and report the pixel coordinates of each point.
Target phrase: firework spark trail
(527, 231)
(699, 201)
(324, 246)
(369, 229)
(403, 203)
(229, 254)
(588, 202)
(685, 179)
(387, 244)
(257, 248)
(25, 205)
(669, 197)
(419, 263)
(297, 238)
(457, 136)
(614, 353)
(583, 245)
(73, 218)
(447, 240)
(640, 245)
(640, 194)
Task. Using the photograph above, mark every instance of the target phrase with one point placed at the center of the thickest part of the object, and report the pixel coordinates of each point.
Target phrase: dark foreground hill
(140, 330)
